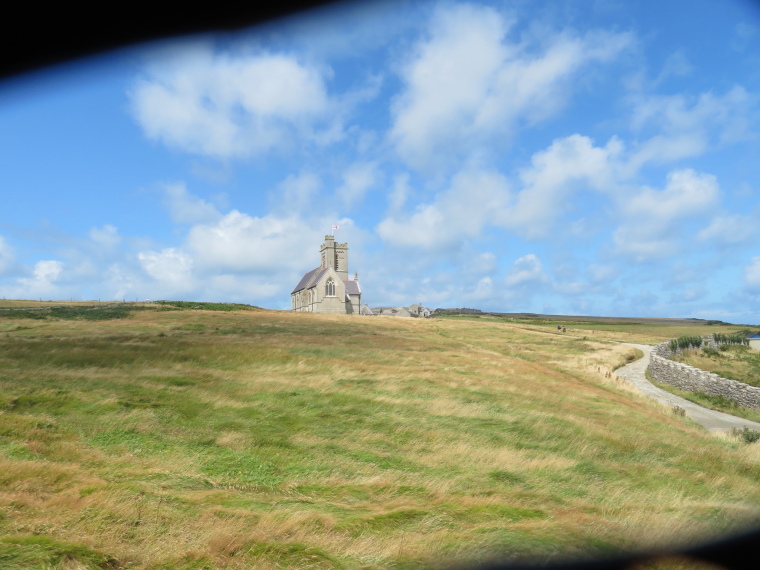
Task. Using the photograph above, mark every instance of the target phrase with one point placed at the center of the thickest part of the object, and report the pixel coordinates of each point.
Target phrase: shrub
(739, 337)
(685, 342)
(746, 434)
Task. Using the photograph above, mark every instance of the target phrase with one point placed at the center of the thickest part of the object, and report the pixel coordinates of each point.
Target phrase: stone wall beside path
(685, 377)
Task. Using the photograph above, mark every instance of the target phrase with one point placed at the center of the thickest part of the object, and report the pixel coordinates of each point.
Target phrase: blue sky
(564, 157)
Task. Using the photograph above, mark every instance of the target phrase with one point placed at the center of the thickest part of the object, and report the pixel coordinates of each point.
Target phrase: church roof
(310, 279)
(352, 287)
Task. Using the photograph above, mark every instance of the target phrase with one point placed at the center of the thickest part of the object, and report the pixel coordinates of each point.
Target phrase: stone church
(327, 289)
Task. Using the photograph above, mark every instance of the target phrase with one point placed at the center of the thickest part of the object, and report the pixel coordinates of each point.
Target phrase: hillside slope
(168, 437)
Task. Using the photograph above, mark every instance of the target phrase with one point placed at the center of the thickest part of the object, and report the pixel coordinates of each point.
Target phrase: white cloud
(688, 295)
(239, 243)
(603, 274)
(466, 85)
(400, 193)
(484, 290)
(482, 263)
(474, 199)
(729, 229)
(297, 192)
(229, 105)
(525, 272)
(7, 259)
(557, 172)
(107, 236)
(185, 208)
(676, 65)
(44, 282)
(358, 178)
(653, 218)
(686, 127)
(752, 275)
(171, 266)
(687, 193)
(47, 271)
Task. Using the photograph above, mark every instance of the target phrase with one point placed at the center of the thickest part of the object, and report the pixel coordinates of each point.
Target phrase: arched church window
(330, 288)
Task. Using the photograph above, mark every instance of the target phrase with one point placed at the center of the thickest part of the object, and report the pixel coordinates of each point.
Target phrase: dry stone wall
(685, 377)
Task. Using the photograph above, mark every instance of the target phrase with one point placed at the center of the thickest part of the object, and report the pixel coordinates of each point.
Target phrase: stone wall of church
(332, 305)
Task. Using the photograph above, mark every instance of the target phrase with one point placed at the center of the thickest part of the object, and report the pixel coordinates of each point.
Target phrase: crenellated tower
(335, 255)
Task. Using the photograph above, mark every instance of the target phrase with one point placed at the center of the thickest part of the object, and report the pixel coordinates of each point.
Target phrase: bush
(685, 342)
(746, 434)
(739, 337)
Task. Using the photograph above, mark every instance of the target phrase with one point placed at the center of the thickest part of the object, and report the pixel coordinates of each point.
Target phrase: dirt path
(709, 419)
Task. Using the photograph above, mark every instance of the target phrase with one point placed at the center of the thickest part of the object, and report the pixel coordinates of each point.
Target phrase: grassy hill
(201, 436)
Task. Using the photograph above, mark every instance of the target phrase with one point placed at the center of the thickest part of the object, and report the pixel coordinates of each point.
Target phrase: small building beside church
(327, 288)
(416, 311)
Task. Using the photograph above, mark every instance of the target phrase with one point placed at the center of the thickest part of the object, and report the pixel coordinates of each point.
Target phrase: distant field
(539, 318)
(170, 436)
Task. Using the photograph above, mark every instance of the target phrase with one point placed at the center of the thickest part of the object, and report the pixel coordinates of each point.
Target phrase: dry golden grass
(264, 439)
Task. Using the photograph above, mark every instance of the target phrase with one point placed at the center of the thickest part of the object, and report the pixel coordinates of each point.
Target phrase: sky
(559, 157)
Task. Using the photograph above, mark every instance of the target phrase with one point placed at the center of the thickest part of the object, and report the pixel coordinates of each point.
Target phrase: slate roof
(310, 279)
(352, 287)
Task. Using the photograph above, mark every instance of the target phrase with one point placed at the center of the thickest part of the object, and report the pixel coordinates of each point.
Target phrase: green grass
(719, 403)
(204, 306)
(736, 362)
(237, 438)
(26, 552)
(97, 313)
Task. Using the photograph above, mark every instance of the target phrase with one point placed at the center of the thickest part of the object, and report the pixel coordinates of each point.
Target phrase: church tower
(327, 252)
(335, 255)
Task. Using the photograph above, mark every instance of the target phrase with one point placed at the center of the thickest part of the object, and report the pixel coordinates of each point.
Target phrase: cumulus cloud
(170, 266)
(239, 243)
(474, 200)
(467, 84)
(686, 193)
(358, 178)
(185, 208)
(482, 263)
(686, 127)
(652, 217)
(483, 290)
(525, 272)
(400, 194)
(729, 230)
(107, 236)
(297, 192)
(44, 281)
(554, 175)
(752, 275)
(7, 259)
(602, 274)
(222, 104)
